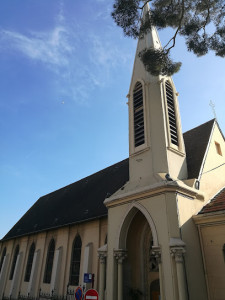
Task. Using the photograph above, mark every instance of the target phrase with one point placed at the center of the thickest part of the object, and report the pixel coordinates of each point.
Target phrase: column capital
(102, 256)
(178, 253)
(120, 255)
(156, 252)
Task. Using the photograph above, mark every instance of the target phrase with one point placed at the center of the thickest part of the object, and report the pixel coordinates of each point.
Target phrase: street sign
(78, 293)
(91, 295)
(87, 277)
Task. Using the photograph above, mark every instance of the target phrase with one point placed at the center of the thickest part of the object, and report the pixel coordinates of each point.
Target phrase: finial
(213, 108)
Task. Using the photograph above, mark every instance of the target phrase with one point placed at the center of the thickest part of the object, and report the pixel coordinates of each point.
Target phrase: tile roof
(196, 142)
(77, 202)
(83, 200)
(216, 204)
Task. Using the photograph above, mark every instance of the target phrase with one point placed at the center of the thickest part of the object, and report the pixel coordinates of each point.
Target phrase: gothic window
(2, 258)
(75, 261)
(49, 262)
(29, 263)
(171, 114)
(16, 253)
(139, 134)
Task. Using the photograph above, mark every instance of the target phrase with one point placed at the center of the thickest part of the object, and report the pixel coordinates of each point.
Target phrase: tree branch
(178, 28)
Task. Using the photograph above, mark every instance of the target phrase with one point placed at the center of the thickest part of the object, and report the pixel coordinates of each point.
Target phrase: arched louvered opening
(139, 134)
(171, 114)
(2, 258)
(16, 253)
(49, 262)
(75, 261)
(29, 263)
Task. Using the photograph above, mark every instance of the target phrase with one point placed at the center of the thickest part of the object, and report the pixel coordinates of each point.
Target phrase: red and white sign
(91, 295)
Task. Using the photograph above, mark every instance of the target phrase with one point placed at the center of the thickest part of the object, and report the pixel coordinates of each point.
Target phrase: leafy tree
(200, 22)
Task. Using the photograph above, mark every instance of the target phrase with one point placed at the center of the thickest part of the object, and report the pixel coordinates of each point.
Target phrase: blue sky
(65, 70)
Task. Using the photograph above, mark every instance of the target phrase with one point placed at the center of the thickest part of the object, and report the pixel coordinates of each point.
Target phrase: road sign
(87, 277)
(78, 293)
(91, 295)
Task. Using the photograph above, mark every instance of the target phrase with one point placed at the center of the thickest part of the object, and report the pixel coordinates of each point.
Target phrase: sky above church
(65, 70)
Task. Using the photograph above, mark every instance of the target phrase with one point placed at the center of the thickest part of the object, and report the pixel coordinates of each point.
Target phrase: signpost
(91, 295)
(78, 293)
(89, 278)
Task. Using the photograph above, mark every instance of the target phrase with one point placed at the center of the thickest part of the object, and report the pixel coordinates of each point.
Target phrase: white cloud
(81, 61)
(51, 48)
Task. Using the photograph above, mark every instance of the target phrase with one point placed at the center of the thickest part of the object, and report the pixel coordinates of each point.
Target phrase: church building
(149, 227)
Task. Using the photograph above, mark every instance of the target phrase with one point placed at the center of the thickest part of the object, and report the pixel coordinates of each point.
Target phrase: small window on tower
(171, 114)
(218, 148)
(139, 134)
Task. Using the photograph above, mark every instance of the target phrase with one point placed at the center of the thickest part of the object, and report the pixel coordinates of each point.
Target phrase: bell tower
(156, 146)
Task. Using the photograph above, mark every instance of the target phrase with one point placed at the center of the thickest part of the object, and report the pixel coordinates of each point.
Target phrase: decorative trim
(120, 255)
(156, 252)
(177, 151)
(178, 253)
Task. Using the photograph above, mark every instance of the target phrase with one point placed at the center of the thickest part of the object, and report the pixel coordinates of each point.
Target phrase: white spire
(152, 37)
(150, 40)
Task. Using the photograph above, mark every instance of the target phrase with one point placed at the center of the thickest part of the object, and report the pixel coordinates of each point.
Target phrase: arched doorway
(140, 267)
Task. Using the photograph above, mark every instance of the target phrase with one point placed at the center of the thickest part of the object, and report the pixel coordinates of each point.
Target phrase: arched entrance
(140, 268)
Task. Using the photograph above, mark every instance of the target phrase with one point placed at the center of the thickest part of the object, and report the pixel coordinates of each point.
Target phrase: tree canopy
(200, 22)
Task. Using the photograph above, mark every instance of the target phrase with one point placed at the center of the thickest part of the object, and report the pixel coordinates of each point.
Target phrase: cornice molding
(150, 191)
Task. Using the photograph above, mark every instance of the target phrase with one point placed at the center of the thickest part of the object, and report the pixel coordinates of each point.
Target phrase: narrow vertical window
(139, 134)
(224, 252)
(2, 258)
(49, 262)
(16, 253)
(171, 114)
(75, 261)
(218, 149)
(29, 263)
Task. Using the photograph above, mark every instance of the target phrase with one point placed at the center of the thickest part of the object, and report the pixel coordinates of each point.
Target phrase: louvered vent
(171, 114)
(139, 136)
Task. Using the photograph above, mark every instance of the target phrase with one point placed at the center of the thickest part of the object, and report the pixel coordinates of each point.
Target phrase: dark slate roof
(77, 202)
(216, 204)
(196, 142)
(83, 200)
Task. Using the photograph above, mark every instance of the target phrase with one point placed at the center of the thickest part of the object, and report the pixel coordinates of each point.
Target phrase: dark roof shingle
(77, 202)
(196, 141)
(216, 204)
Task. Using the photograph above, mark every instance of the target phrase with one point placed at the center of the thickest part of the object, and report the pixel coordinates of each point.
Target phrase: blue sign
(87, 277)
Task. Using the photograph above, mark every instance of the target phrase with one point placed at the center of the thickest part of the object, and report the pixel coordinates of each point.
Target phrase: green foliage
(158, 62)
(200, 22)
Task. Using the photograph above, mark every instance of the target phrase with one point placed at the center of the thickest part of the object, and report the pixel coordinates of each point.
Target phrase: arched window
(2, 258)
(139, 133)
(29, 263)
(16, 253)
(75, 261)
(171, 114)
(49, 262)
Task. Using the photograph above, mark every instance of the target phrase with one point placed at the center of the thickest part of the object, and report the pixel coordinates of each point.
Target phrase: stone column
(3, 274)
(156, 251)
(102, 257)
(56, 271)
(120, 255)
(177, 253)
(33, 276)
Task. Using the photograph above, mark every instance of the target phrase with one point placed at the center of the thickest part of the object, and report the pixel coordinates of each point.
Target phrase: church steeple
(155, 138)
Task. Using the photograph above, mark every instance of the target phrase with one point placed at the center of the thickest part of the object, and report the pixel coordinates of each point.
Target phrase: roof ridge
(85, 178)
(201, 125)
